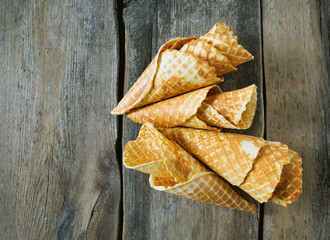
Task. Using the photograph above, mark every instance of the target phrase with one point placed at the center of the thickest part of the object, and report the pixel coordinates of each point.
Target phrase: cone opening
(266, 171)
(170, 161)
(289, 188)
(234, 109)
(140, 148)
(145, 149)
(249, 109)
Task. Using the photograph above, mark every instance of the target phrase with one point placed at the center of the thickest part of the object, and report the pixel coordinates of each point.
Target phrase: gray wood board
(150, 214)
(297, 92)
(59, 175)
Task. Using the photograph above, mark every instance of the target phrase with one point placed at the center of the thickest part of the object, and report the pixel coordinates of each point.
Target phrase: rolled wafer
(290, 186)
(175, 171)
(229, 155)
(206, 108)
(253, 164)
(266, 172)
(183, 65)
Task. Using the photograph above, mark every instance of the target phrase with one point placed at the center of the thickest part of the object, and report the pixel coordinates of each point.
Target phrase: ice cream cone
(175, 171)
(229, 155)
(205, 108)
(253, 164)
(183, 65)
(171, 73)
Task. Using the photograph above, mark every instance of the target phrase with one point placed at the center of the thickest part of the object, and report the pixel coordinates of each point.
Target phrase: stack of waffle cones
(187, 154)
(265, 170)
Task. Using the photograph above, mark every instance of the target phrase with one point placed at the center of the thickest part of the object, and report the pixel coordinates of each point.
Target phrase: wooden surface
(65, 64)
(59, 176)
(297, 95)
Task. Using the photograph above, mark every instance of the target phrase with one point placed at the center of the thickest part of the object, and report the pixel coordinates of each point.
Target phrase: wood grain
(59, 175)
(149, 214)
(297, 93)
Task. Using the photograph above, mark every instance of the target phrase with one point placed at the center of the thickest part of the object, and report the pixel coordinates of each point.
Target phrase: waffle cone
(174, 111)
(253, 164)
(183, 65)
(169, 74)
(290, 185)
(175, 171)
(229, 155)
(205, 108)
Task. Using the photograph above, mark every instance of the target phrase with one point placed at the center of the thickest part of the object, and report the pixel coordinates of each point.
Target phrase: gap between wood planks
(120, 93)
(261, 207)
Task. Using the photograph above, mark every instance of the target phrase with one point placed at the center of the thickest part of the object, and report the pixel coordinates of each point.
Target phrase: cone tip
(115, 111)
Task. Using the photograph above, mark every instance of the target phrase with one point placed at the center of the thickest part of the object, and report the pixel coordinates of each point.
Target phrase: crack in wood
(92, 211)
(261, 207)
(120, 93)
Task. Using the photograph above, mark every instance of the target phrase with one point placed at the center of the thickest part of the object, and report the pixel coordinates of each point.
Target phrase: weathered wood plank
(137, 195)
(149, 214)
(58, 169)
(297, 94)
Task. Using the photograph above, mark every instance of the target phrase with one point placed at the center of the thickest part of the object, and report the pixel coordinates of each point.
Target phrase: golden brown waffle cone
(290, 186)
(174, 111)
(235, 53)
(175, 171)
(174, 72)
(229, 155)
(170, 73)
(253, 164)
(261, 181)
(204, 108)
(206, 51)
